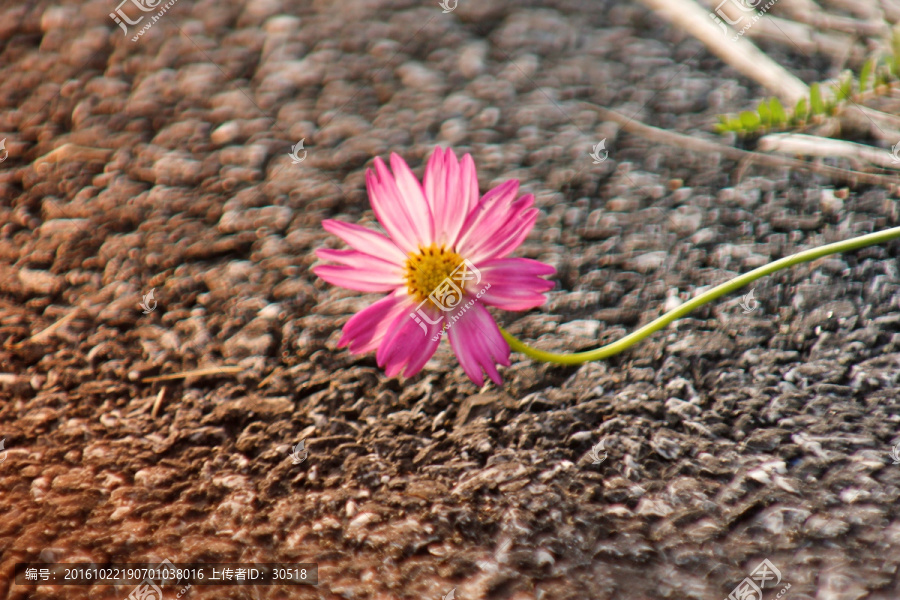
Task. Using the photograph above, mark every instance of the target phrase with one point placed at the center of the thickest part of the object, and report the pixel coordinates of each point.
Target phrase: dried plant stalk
(741, 54)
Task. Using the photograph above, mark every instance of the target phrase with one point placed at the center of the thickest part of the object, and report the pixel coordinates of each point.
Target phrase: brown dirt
(731, 438)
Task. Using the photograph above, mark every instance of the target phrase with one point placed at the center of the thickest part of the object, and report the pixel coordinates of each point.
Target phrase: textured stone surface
(729, 437)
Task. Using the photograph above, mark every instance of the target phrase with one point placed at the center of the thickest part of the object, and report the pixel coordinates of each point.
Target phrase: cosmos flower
(444, 259)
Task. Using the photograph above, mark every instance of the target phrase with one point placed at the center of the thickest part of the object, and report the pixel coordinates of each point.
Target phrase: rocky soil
(164, 164)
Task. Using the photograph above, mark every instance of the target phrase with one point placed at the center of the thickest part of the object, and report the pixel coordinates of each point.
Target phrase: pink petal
(409, 344)
(515, 283)
(365, 262)
(354, 278)
(366, 329)
(414, 199)
(488, 215)
(403, 214)
(478, 344)
(366, 240)
(451, 189)
(488, 243)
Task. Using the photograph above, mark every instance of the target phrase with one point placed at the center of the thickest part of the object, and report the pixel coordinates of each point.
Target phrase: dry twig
(808, 40)
(224, 370)
(158, 402)
(700, 145)
(741, 54)
(799, 144)
(49, 331)
(72, 152)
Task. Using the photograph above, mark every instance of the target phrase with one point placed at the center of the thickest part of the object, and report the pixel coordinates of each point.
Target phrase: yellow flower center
(428, 268)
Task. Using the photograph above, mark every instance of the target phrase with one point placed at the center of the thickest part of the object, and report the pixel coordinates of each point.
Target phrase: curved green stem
(577, 358)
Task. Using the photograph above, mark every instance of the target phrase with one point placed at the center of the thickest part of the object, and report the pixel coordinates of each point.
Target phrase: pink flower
(445, 257)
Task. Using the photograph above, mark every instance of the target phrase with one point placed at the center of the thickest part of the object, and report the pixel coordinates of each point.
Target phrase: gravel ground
(730, 437)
